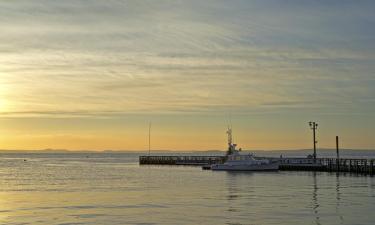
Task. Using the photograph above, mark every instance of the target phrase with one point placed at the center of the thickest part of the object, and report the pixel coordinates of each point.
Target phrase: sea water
(112, 188)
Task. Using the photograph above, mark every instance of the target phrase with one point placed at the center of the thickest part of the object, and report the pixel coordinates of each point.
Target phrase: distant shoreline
(355, 153)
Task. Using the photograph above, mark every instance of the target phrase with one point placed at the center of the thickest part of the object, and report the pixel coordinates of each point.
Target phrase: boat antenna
(149, 138)
(231, 127)
(230, 140)
(229, 132)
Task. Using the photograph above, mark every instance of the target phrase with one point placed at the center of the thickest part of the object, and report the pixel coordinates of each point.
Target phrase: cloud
(111, 57)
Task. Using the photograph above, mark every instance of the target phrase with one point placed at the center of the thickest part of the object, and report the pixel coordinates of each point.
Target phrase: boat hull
(264, 167)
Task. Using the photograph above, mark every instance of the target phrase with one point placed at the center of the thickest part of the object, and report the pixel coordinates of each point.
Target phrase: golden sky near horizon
(92, 74)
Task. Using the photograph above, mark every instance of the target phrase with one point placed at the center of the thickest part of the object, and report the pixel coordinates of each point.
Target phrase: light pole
(314, 127)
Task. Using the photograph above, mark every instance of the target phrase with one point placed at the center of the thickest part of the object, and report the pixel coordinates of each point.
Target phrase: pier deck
(360, 166)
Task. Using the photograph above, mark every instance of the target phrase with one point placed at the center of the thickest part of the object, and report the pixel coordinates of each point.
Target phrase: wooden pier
(359, 166)
(181, 160)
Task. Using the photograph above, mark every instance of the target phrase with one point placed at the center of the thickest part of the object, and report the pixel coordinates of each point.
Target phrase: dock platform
(359, 166)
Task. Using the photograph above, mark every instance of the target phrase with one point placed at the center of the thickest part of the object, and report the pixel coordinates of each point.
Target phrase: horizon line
(169, 150)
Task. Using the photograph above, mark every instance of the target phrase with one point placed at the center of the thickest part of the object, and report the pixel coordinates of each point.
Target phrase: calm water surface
(114, 189)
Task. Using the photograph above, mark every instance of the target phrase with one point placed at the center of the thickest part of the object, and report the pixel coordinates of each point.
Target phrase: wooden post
(314, 126)
(330, 165)
(364, 167)
(314, 143)
(356, 165)
(337, 154)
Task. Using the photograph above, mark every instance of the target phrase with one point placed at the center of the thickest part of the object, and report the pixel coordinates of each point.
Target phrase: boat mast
(229, 132)
(231, 146)
(149, 138)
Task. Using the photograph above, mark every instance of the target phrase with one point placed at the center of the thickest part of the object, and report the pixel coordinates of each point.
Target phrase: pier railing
(362, 166)
(331, 164)
(181, 160)
(366, 166)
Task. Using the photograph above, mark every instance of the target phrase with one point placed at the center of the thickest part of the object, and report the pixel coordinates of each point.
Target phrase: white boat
(237, 162)
(240, 162)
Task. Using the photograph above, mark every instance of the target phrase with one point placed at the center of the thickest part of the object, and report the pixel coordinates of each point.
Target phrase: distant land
(324, 152)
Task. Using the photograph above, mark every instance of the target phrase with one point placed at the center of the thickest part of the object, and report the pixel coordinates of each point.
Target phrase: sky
(92, 74)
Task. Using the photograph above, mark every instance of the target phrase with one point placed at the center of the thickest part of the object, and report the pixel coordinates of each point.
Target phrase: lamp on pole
(314, 127)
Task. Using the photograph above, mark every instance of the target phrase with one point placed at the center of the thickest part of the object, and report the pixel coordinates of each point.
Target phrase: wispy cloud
(95, 58)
